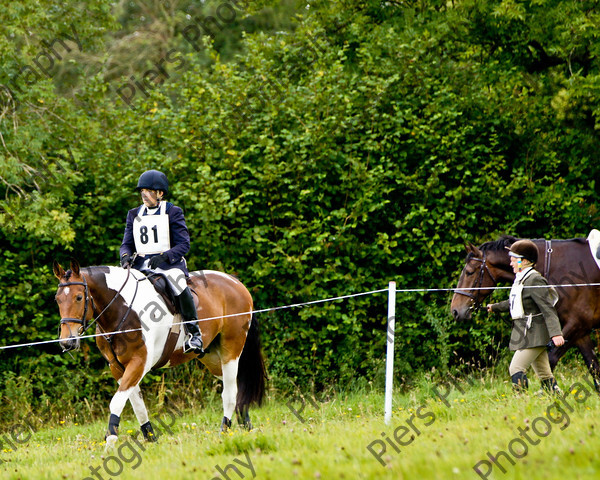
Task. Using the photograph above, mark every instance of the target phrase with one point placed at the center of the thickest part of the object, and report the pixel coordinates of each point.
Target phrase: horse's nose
(460, 313)
(69, 344)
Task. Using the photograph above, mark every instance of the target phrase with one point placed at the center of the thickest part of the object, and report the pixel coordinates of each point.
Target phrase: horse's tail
(251, 370)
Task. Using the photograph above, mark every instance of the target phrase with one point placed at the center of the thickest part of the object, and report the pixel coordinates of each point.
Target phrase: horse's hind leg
(229, 395)
(243, 416)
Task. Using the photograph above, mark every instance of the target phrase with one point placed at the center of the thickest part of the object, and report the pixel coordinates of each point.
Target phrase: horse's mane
(498, 245)
(507, 240)
(96, 268)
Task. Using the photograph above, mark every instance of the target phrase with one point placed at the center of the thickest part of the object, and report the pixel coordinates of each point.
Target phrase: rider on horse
(157, 233)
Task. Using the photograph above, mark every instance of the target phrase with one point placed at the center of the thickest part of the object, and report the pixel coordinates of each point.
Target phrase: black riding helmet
(153, 180)
(524, 249)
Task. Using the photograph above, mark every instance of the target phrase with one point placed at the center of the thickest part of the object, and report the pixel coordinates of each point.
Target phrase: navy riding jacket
(178, 233)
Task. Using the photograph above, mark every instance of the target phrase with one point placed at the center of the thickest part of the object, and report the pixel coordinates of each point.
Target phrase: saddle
(594, 243)
(164, 289)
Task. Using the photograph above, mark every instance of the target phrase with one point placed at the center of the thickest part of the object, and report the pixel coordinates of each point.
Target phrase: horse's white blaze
(150, 307)
(67, 290)
(229, 395)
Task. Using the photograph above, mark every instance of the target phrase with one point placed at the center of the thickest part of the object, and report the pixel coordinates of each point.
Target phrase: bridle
(483, 269)
(89, 299)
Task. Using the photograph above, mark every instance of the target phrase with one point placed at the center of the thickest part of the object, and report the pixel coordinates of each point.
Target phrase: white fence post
(389, 361)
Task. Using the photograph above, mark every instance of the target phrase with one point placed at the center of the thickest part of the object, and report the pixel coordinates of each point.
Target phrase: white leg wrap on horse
(111, 441)
(117, 404)
(230, 370)
(139, 407)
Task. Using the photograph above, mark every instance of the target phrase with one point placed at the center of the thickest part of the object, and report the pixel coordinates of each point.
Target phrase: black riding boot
(193, 342)
(520, 383)
(549, 385)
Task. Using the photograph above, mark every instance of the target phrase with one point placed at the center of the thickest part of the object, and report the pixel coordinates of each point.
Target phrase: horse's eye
(79, 298)
(469, 273)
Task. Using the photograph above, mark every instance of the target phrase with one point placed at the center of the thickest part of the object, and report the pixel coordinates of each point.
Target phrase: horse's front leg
(586, 347)
(134, 371)
(139, 408)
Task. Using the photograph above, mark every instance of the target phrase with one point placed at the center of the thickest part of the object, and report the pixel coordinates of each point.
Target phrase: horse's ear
(75, 266)
(472, 249)
(59, 271)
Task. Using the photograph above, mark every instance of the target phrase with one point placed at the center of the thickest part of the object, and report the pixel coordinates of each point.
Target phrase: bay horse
(561, 262)
(118, 299)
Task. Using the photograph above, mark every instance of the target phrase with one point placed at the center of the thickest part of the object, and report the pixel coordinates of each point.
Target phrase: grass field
(438, 431)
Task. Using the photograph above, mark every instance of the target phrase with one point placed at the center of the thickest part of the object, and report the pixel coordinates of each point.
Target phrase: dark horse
(561, 262)
(125, 300)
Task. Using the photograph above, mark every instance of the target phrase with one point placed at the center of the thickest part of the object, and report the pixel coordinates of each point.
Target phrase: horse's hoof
(148, 432)
(111, 441)
(245, 422)
(225, 424)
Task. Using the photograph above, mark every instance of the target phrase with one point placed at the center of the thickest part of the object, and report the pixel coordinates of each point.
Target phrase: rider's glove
(126, 260)
(157, 260)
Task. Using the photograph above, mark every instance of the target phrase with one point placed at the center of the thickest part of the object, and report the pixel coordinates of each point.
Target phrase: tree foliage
(318, 149)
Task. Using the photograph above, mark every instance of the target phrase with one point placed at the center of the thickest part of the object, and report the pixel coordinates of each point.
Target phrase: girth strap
(169, 345)
(172, 338)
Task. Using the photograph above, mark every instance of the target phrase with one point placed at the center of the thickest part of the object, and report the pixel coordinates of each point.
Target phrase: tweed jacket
(537, 302)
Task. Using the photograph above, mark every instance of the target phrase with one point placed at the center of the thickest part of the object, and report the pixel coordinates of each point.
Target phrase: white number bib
(151, 232)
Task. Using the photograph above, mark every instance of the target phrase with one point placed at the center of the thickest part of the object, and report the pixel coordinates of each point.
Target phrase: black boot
(519, 380)
(187, 309)
(549, 385)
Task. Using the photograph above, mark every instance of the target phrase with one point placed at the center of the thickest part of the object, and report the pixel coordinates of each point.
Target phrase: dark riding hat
(153, 180)
(524, 249)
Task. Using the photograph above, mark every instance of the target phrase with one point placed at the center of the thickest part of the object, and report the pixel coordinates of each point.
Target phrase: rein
(482, 270)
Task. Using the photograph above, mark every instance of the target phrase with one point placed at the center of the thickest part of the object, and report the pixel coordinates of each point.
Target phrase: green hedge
(364, 143)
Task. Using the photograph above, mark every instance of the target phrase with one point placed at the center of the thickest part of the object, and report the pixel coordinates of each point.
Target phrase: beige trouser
(537, 357)
(175, 276)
